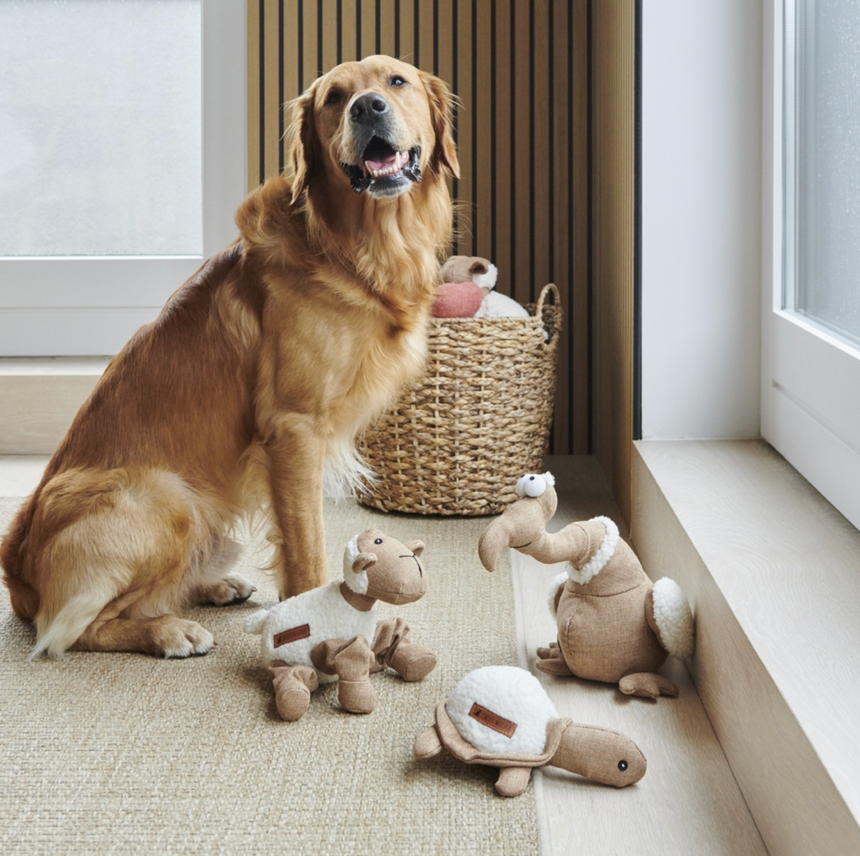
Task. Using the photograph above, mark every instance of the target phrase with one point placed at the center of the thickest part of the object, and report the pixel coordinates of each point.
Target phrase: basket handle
(549, 288)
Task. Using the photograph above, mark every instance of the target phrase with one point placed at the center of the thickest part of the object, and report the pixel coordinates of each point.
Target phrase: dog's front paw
(231, 590)
(177, 638)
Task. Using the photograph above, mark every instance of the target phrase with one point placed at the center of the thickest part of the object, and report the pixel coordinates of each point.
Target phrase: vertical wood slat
(253, 84)
(613, 234)
(519, 71)
(482, 177)
(521, 263)
(271, 105)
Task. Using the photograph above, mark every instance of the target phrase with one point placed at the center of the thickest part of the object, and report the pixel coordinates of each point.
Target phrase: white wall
(701, 216)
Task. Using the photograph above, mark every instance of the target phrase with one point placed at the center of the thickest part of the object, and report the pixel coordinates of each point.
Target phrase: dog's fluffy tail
(56, 634)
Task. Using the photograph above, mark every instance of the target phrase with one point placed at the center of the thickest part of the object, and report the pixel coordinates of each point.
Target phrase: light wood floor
(688, 802)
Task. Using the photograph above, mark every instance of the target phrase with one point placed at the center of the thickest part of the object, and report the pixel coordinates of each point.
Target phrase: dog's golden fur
(267, 362)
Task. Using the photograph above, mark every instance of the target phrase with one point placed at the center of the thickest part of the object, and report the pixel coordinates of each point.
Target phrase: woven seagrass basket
(459, 438)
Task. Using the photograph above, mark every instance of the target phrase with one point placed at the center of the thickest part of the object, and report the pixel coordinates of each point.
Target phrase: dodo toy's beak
(496, 537)
(522, 524)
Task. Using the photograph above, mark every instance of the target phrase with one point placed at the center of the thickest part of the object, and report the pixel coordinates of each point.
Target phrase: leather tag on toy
(292, 635)
(492, 720)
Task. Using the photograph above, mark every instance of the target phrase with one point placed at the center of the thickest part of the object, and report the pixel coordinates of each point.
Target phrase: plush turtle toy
(614, 624)
(501, 716)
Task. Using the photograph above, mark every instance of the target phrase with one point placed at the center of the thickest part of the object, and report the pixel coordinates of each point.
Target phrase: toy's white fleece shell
(327, 613)
(513, 694)
(674, 618)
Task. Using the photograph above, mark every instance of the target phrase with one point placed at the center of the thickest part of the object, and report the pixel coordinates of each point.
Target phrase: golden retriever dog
(259, 371)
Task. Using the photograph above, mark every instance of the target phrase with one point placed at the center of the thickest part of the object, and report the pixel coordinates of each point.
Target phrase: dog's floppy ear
(442, 113)
(303, 143)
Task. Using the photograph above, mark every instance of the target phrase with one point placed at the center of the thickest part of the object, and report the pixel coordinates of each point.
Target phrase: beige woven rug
(121, 753)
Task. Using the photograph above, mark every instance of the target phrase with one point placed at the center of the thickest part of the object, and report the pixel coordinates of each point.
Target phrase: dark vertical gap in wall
(281, 105)
(320, 29)
(262, 38)
(415, 32)
(474, 49)
(570, 213)
(551, 165)
(513, 179)
(436, 36)
(300, 57)
(377, 43)
(340, 31)
(637, 225)
(532, 120)
(455, 83)
(550, 202)
(590, 193)
(493, 130)
(397, 28)
(358, 29)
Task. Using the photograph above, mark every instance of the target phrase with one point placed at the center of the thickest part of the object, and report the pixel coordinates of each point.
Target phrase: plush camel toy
(501, 716)
(322, 635)
(614, 624)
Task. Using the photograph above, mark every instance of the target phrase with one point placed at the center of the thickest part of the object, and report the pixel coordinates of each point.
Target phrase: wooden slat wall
(520, 72)
(613, 33)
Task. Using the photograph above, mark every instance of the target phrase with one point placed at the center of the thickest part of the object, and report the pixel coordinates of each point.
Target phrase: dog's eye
(378, 541)
(334, 97)
(397, 80)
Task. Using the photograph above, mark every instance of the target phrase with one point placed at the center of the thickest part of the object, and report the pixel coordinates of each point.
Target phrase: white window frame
(810, 379)
(73, 306)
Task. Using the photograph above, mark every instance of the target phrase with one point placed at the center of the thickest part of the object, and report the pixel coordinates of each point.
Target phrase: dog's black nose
(368, 107)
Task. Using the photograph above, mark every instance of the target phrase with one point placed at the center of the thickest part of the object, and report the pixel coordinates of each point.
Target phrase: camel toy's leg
(647, 685)
(293, 688)
(393, 648)
(551, 662)
(513, 781)
(351, 661)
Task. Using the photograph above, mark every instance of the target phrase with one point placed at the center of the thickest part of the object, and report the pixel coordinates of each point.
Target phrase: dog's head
(377, 125)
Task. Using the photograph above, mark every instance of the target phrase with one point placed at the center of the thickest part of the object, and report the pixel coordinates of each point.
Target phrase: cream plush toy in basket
(333, 632)
(479, 417)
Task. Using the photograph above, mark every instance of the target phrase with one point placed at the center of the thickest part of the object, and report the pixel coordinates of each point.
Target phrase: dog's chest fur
(344, 359)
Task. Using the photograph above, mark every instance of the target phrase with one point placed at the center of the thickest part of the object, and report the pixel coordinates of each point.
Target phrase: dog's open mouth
(383, 170)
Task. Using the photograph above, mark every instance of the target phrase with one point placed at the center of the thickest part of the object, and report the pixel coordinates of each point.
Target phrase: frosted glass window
(100, 128)
(822, 109)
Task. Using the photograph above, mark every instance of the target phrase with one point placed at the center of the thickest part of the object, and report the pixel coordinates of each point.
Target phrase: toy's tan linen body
(600, 628)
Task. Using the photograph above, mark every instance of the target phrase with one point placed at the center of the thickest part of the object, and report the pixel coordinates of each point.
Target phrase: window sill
(772, 572)
(40, 397)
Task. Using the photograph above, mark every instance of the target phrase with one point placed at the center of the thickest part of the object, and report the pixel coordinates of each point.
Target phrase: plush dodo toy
(322, 635)
(501, 716)
(614, 624)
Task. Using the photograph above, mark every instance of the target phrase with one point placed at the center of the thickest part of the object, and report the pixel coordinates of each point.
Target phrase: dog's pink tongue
(382, 164)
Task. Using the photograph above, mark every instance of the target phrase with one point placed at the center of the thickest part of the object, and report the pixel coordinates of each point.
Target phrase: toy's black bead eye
(531, 478)
(622, 765)
(378, 541)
